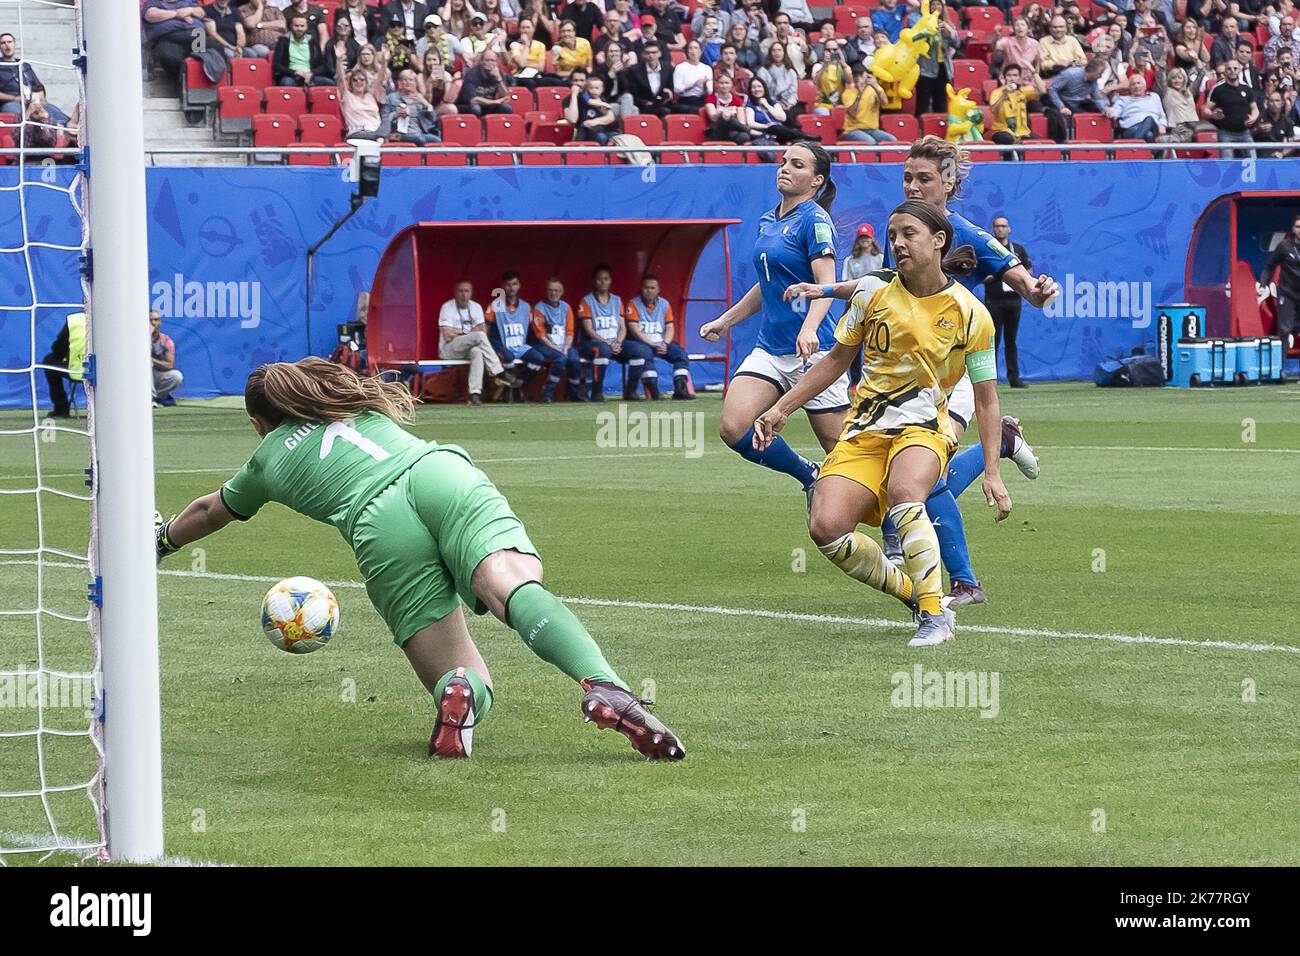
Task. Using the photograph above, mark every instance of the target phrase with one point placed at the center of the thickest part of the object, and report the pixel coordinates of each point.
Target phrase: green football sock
(482, 692)
(553, 633)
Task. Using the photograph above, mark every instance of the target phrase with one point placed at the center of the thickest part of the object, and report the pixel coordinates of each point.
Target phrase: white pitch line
(803, 617)
(25, 843)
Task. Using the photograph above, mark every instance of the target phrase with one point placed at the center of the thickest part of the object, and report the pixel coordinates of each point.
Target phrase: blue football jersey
(512, 326)
(651, 322)
(992, 257)
(783, 255)
(604, 316)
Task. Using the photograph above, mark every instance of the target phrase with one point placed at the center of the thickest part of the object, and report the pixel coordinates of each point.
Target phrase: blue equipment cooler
(1270, 359)
(1222, 362)
(1176, 325)
(1246, 361)
(1191, 364)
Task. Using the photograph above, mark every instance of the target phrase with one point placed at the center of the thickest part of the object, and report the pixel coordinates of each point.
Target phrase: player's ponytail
(314, 390)
(960, 261)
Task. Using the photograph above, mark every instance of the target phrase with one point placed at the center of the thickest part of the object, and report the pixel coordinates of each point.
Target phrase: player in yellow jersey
(919, 332)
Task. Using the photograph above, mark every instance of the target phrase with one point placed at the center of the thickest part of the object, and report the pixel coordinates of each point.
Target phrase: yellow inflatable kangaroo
(965, 118)
(894, 64)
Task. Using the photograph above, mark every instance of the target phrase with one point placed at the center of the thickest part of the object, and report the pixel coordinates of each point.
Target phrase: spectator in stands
(342, 49)
(1274, 12)
(1224, 47)
(463, 330)
(817, 42)
(692, 81)
(1180, 108)
(1010, 106)
(796, 50)
(585, 17)
(729, 65)
(15, 88)
(748, 55)
(1073, 90)
(711, 41)
(727, 115)
(375, 65)
(360, 94)
(1248, 73)
(668, 26)
(1287, 255)
(862, 103)
(757, 21)
(366, 21)
(225, 29)
(437, 38)
(768, 121)
(1275, 126)
(411, 13)
(480, 40)
(1284, 40)
(651, 82)
(801, 17)
(593, 118)
(553, 333)
(571, 53)
(615, 78)
(611, 31)
(169, 30)
(298, 60)
(166, 376)
(711, 8)
(892, 17)
(781, 79)
(483, 89)
(1020, 49)
(860, 47)
(1138, 114)
(398, 52)
(628, 21)
(865, 257)
(935, 67)
(407, 117)
(317, 20)
(455, 16)
(601, 330)
(1114, 76)
(547, 28)
(650, 336)
(1004, 303)
(527, 54)
(263, 26)
(1190, 51)
(435, 83)
(1231, 108)
(647, 25)
(1060, 49)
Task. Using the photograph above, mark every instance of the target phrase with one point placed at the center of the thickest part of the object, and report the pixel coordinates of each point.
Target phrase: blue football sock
(948, 525)
(887, 526)
(779, 457)
(964, 468)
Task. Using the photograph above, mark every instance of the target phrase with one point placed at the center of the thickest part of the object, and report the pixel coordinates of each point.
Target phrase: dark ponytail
(960, 261)
(825, 196)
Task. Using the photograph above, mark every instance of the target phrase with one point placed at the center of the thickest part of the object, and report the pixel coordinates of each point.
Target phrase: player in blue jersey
(508, 328)
(601, 333)
(796, 244)
(650, 333)
(552, 337)
(933, 173)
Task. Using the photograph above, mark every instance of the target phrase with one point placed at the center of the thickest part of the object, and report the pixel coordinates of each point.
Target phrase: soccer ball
(300, 615)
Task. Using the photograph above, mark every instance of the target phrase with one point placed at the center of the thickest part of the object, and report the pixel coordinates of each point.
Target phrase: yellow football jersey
(914, 351)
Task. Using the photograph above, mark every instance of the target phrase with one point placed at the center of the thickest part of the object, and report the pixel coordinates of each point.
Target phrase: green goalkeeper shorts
(418, 543)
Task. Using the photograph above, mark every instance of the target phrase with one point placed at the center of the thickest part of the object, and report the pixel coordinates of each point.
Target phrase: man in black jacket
(1287, 255)
(650, 82)
(1003, 303)
(411, 13)
(297, 59)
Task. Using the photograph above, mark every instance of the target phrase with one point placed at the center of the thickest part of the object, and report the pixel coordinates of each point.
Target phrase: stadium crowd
(1149, 70)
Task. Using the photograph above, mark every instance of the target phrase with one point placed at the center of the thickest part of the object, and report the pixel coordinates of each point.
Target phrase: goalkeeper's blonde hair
(315, 390)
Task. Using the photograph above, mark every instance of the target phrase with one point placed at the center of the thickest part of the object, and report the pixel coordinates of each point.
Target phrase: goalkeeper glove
(162, 543)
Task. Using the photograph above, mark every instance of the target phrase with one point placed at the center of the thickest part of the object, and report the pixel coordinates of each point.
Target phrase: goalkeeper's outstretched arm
(202, 517)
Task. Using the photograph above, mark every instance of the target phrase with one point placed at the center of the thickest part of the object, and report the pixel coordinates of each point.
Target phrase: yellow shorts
(866, 458)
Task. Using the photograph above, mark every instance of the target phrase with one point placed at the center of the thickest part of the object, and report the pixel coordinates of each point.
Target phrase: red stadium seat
(981, 156)
(934, 124)
(533, 117)
(317, 130)
(551, 157)
(249, 71)
(819, 126)
(504, 129)
(807, 92)
(1040, 155)
(857, 154)
(1038, 125)
(311, 159)
(6, 142)
(440, 156)
(1084, 155)
(462, 130)
(728, 156)
(522, 100)
(272, 130)
(1132, 153)
(846, 20)
(552, 98)
(903, 126)
(977, 49)
(288, 100)
(237, 105)
(324, 100)
(389, 158)
(583, 157)
(502, 157)
(1093, 128)
(676, 58)
(197, 91)
(557, 134)
(970, 73)
(982, 19)
(677, 157)
(647, 126)
(683, 128)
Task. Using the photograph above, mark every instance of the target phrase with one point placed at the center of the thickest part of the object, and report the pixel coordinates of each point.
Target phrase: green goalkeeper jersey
(328, 471)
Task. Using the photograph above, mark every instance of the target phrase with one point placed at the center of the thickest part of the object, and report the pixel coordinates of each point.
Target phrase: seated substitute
(649, 323)
(602, 333)
(552, 338)
(508, 330)
(463, 328)
(166, 376)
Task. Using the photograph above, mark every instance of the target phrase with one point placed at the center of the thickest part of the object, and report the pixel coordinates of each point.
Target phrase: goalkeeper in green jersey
(428, 529)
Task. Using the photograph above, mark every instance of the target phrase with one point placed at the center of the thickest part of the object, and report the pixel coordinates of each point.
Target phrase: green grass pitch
(1159, 514)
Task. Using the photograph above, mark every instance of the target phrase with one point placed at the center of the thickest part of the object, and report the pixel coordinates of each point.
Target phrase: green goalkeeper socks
(482, 693)
(553, 633)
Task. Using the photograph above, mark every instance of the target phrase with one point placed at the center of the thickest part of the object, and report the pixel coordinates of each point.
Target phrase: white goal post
(123, 430)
